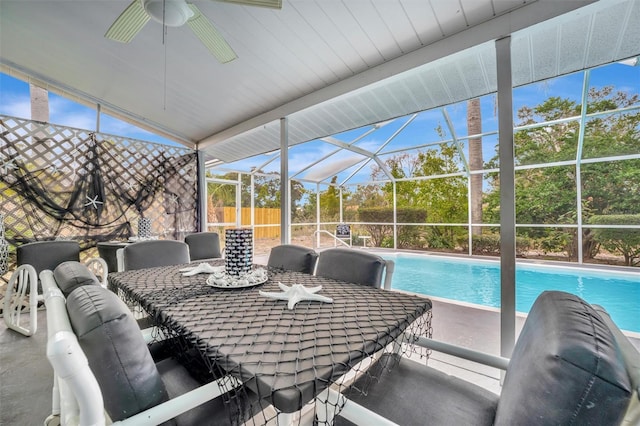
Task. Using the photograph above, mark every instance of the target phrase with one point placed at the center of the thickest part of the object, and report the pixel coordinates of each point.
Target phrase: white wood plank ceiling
(327, 65)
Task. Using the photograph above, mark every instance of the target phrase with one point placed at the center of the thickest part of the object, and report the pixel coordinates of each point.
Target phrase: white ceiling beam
(504, 25)
(348, 147)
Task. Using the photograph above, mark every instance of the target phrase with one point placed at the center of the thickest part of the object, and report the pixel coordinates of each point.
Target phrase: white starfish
(297, 293)
(8, 165)
(202, 268)
(93, 202)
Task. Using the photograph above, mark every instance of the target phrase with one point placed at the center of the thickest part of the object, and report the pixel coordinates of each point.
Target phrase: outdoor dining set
(194, 334)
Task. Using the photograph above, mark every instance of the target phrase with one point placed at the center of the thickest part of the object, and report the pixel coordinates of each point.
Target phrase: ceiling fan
(175, 13)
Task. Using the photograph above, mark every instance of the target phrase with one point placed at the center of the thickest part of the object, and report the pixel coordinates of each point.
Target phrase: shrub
(489, 244)
(408, 236)
(623, 241)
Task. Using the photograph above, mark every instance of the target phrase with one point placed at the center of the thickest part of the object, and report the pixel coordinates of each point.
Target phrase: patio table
(286, 357)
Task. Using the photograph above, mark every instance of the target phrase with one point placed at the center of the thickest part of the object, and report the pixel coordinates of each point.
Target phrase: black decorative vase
(144, 228)
(238, 251)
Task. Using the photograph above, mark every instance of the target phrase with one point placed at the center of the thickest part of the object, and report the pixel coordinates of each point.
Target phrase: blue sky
(15, 101)
(422, 130)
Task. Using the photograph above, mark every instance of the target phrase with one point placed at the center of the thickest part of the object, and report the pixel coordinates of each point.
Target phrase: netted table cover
(286, 357)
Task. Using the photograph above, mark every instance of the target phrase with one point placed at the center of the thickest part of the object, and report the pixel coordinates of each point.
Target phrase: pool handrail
(335, 239)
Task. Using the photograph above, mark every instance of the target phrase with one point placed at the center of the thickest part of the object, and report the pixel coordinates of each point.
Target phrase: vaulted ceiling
(326, 65)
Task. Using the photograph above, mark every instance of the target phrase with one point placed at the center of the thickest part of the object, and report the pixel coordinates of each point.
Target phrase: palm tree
(40, 112)
(39, 103)
(474, 127)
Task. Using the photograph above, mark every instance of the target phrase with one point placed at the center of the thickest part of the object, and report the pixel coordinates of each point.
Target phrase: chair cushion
(47, 254)
(355, 266)
(291, 257)
(117, 353)
(150, 254)
(179, 381)
(71, 275)
(565, 368)
(413, 394)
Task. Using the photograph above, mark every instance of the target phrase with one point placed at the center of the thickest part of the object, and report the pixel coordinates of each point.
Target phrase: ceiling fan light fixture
(172, 13)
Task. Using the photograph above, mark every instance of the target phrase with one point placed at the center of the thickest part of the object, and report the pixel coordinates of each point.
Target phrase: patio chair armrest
(352, 411)
(120, 259)
(388, 273)
(461, 352)
(181, 404)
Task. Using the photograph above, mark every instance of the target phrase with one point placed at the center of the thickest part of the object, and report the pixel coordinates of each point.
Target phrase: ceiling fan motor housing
(172, 13)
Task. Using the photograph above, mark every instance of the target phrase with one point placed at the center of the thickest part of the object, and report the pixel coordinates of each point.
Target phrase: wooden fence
(262, 217)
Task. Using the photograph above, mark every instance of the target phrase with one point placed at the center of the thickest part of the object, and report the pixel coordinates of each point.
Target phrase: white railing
(336, 240)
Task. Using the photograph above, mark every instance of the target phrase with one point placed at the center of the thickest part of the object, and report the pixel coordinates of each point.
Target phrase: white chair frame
(120, 259)
(24, 279)
(390, 266)
(76, 398)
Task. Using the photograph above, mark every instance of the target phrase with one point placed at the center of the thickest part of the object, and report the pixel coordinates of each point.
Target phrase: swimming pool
(478, 282)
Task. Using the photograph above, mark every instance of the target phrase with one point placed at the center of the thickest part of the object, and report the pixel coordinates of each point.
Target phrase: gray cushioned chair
(44, 255)
(567, 368)
(291, 257)
(150, 254)
(353, 265)
(203, 246)
(153, 253)
(122, 376)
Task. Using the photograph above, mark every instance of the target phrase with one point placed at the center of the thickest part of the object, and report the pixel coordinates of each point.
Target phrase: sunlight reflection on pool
(478, 282)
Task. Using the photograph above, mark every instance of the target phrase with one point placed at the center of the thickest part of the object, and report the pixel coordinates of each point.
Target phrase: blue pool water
(478, 282)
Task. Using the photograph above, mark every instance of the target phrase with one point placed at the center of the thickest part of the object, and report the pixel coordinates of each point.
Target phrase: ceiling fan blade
(210, 37)
(129, 23)
(272, 4)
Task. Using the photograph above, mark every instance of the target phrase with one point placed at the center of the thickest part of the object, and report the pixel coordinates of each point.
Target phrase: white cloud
(68, 113)
(370, 145)
(16, 106)
(112, 125)
(303, 155)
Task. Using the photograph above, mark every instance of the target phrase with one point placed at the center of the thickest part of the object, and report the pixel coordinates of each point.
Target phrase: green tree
(623, 241)
(443, 199)
(330, 202)
(266, 191)
(548, 194)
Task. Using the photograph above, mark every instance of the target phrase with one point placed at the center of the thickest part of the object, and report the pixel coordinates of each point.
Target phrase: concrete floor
(26, 377)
